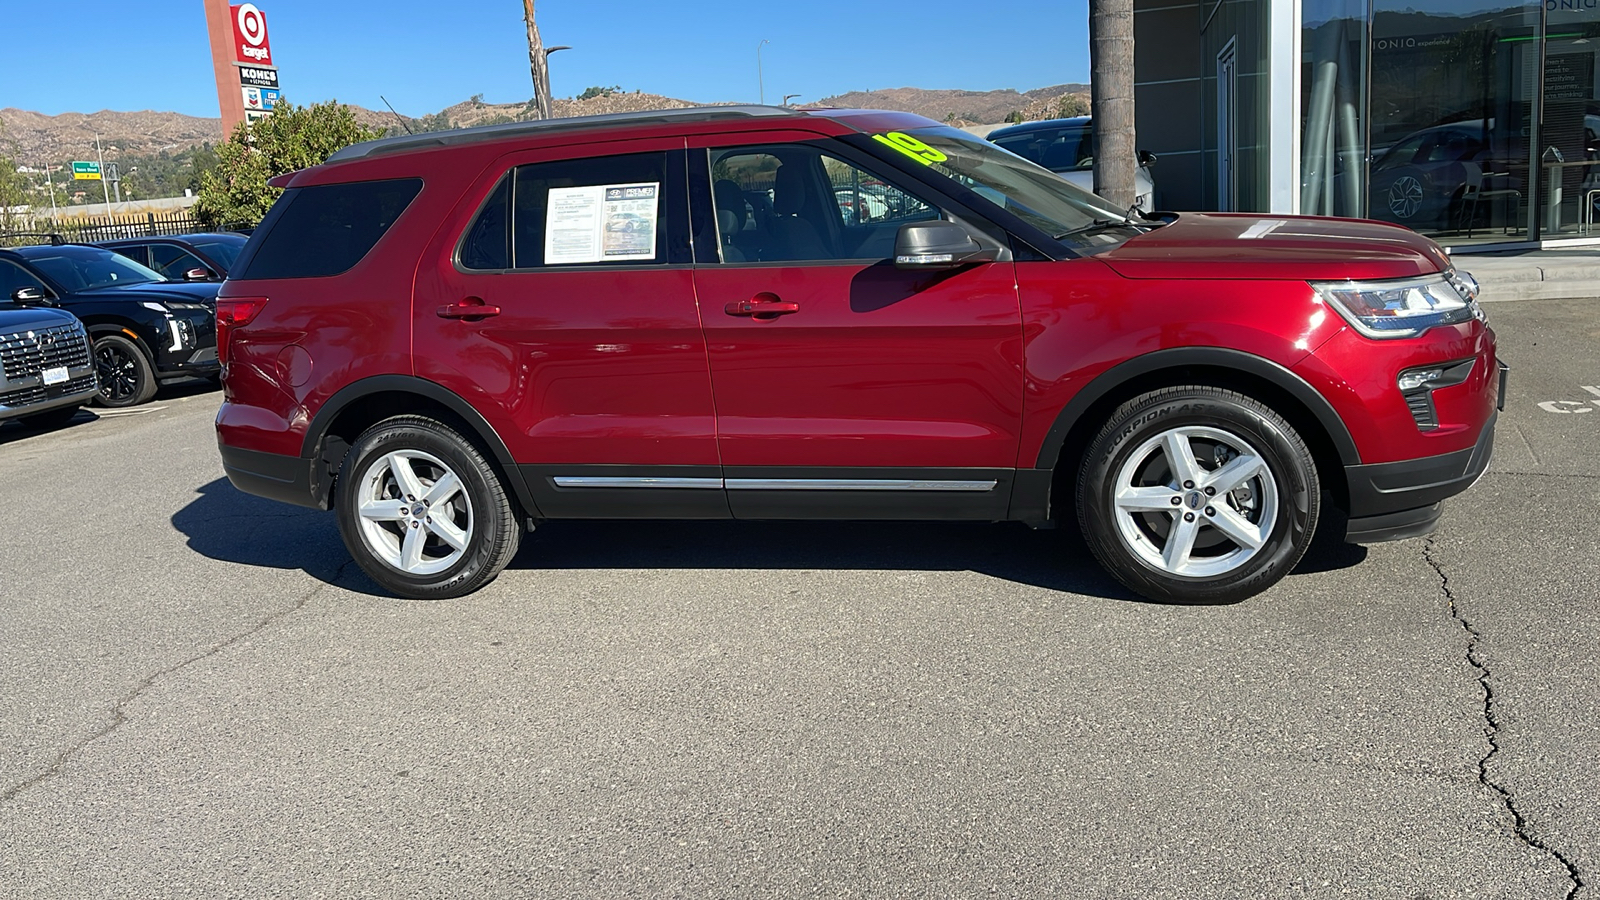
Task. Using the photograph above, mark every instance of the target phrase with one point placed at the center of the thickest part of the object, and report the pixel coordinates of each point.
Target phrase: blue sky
(422, 55)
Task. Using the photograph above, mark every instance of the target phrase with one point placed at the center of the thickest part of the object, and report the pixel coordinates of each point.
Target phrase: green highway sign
(86, 171)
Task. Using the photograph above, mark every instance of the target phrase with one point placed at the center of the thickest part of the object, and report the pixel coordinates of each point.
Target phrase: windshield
(1036, 195)
(223, 251)
(78, 268)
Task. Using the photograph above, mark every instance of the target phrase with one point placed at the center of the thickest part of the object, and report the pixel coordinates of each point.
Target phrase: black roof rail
(55, 238)
(479, 133)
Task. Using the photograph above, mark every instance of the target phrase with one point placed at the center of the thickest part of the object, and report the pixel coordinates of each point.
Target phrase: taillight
(234, 312)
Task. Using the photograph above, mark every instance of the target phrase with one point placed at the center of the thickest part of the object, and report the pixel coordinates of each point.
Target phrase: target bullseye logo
(250, 35)
(252, 27)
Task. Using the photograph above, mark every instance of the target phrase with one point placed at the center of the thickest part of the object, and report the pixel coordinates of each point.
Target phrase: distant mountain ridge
(40, 138)
(960, 107)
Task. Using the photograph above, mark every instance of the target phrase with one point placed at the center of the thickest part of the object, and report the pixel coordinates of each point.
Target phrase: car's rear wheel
(1198, 495)
(127, 378)
(422, 512)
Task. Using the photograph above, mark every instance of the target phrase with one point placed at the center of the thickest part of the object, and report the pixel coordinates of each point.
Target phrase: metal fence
(105, 228)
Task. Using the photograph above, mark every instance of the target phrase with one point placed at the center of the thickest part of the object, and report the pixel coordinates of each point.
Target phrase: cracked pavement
(200, 695)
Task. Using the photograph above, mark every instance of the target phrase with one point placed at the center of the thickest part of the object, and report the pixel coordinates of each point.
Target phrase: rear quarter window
(326, 229)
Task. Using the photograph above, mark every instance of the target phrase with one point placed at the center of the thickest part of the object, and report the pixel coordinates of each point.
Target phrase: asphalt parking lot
(201, 695)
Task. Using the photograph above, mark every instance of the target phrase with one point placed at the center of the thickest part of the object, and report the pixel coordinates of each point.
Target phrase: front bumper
(1390, 501)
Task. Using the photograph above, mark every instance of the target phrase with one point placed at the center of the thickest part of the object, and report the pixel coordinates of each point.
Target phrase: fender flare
(128, 330)
(310, 447)
(1217, 357)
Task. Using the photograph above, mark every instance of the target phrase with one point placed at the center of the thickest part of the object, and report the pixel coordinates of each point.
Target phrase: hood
(28, 318)
(156, 291)
(1256, 246)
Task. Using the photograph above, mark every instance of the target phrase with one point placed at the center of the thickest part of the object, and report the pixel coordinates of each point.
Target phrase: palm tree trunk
(538, 63)
(1111, 90)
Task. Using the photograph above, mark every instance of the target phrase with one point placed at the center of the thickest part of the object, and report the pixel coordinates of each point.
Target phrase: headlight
(1405, 308)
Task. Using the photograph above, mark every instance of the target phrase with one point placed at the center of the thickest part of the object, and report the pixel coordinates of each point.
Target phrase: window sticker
(911, 147)
(600, 222)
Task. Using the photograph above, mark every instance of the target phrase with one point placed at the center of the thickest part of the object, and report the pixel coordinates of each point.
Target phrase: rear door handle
(470, 308)
(761, 306)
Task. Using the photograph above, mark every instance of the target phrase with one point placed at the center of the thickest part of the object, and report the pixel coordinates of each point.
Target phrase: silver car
(1066, 147)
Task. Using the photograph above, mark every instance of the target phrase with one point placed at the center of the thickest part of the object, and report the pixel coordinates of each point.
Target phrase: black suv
(178, 257)
(145, 328)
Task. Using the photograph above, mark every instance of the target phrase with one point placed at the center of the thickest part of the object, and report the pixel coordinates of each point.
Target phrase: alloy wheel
(1195, 502)
(1405, 196)
(414, 512)
(118, 370)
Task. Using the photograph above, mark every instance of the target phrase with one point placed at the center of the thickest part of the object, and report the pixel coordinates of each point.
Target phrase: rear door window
(600, 211)
(328, 228)
(139, 253)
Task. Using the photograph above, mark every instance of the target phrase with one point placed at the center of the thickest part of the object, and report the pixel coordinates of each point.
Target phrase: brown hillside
(40, 138)
(960, 107)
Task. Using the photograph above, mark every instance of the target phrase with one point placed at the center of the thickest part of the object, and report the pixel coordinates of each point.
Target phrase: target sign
(250, 35)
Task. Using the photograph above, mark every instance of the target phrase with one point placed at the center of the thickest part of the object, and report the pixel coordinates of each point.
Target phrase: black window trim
(676, 194)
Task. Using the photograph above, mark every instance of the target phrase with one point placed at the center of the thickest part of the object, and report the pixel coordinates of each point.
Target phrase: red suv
(450, 337)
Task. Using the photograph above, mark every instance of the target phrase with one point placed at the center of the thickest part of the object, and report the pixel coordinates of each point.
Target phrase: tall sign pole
(219, 24)
(241, 57)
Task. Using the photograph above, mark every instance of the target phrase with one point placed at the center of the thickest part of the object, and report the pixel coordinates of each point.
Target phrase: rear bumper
(270, 475)
(1390, 501)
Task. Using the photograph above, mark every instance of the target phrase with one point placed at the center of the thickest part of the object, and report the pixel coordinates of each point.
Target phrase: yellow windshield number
(911, 147)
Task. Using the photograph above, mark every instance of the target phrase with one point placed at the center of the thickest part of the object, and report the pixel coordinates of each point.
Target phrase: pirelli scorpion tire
(1198, 495)
(422, 511)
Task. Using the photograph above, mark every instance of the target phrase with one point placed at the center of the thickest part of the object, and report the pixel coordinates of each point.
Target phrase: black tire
(127, 377)
(1130, 527)
(47, 421)
(485, 523)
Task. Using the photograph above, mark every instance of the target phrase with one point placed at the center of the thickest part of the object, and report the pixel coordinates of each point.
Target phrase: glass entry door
(1568, 147)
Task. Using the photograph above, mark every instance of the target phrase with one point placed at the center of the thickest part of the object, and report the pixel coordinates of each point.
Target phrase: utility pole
(761, 85)
(538, 64)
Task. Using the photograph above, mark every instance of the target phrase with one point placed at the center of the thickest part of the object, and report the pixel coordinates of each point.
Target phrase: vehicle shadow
(226, 524)
(14, 430)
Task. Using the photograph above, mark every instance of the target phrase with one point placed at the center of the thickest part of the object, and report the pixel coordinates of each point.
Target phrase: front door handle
(470, 308)
(761, 306)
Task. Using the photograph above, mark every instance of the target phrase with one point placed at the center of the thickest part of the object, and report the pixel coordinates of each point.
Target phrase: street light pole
(51, 187)
(544, 99)
(102, 158)
(788, 97)
(760, 84)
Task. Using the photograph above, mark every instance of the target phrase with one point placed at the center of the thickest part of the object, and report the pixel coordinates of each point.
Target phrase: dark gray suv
(46, 370)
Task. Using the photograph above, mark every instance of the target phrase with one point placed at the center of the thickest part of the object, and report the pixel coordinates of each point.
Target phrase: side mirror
(29, 295)
(937, 245)
(198, 273)
(1146, 159)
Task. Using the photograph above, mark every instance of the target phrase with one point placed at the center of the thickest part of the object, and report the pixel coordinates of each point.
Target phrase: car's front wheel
(127, 377)
(1198, 495)
(422, 512)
